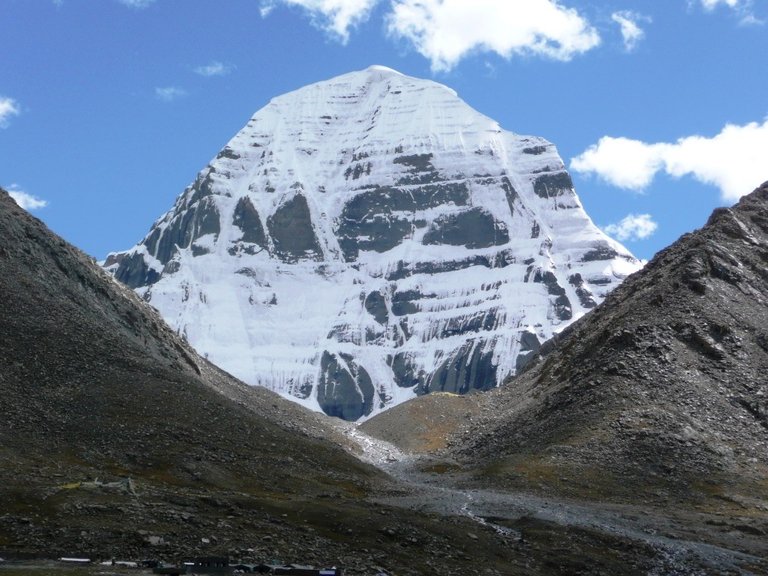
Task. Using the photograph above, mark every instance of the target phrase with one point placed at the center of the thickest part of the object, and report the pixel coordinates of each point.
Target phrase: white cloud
(743, 8)
(169, 93)
(622, 162)
(26, 201)
(712, 4)
(215, 68)
(735, 160)
(632, 227)
(136, 3)
(8, 108)
(631, 32)
(445, 31)
(335, 16)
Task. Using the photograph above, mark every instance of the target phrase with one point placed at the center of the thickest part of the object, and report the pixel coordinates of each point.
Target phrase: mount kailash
(370, 238)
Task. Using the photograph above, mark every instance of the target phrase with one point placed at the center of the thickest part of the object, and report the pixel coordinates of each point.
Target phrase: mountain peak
(360, 242)
(383, 70)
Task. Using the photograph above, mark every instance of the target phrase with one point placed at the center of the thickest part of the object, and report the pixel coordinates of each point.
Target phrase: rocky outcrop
(345, 389)
(293, 236)
(472, 228)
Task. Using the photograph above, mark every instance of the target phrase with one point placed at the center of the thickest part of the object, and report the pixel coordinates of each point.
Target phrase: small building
(210, 565)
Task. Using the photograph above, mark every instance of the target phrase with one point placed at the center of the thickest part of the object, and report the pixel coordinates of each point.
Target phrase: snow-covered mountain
(370, 238)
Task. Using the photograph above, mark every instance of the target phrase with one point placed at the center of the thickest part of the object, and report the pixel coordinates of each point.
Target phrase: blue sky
(109, 108)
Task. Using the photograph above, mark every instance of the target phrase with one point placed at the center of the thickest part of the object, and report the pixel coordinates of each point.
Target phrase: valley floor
(570, 536)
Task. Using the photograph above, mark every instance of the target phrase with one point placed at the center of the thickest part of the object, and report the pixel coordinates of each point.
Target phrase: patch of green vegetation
(535, 473)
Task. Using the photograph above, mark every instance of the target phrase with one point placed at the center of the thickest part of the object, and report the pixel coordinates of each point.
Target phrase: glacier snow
(369, 238)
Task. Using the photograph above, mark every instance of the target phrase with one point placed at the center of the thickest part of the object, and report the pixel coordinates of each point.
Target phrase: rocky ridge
(669, 374)
(371, 238)
(654, 403)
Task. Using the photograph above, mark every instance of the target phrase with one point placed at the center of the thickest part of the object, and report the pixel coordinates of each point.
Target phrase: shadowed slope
(117, 439)
(94, 384)
(661, 392)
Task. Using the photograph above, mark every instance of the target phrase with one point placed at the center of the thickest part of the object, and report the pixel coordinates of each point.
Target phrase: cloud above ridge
(712, 4)
(169, 93)
(632, 227)
(742, 8)
(27, 201)
(337, 17)
(445, 31)
(735, 160)
(137, 3)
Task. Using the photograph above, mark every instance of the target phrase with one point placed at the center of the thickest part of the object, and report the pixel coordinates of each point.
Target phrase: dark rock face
(585, 296)
(513, 198)
(201, 219)
(133, 271)
(469, 368)
(376, 306)
(407, 375)
(379, 219)
(600, 253)
(345, 389)
(471, 323)
(420, 169)
(472, 228)
(406, 302)
(501, 259)
(562, 303)
(197, 221)
(247, 219)
(202, 186)
(552, 184)
(291, 230)
(529, 348)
